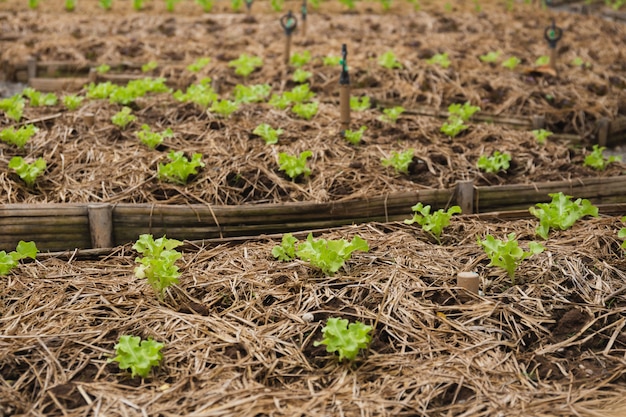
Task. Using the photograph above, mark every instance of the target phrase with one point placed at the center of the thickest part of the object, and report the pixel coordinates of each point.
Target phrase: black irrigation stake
(344, 91)
(289, 23)
(553, 35)
(304, 12)
(249, 6)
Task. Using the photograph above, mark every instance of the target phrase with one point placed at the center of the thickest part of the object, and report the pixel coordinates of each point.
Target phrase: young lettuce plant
(494, 163)
(391, 115)
(511, 63)
(542, 60)
(180, 168)
(299, 94)
(561, 213)
(149, 66)
(490, 57)
(246, 64)
(286, 251)
(207, 5)
(306, 110)
(457, 116)
(201, 94)
(294, 166)
(106, 4)
(137, 5)
(280, 102)
(301, 76)
(100, 90)
(345, 339)
(388, 60)
(18, 137)
(170, 5)
(400, 161)
(354, 136)
(199, 64)
(122, 118)
(269, 134)
(541, 135)
(224, 108)
(72, 101)
(153, 139)
(13, 107)
(331, 60)
(38, 99)
(361, 104)
(158, 262)
(24, 250)
(70, 5)
(277, 5)
(251, 93)
(622, 234)
(28, 172)
(439, 59)
(137, 355)
(236, 5)
(435, 222)
(329, 255)
(300, 59)
(103, 69)
(507, 254)
(598, 161)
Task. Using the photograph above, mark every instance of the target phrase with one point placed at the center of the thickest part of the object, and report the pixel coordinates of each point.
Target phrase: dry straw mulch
(237, 343)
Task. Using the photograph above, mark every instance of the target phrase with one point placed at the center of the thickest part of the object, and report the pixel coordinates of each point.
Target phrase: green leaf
(18, 137)
(329, 255)
(597, 160)
(306, 110)
(561, 213)
(491, 57)
(287, 249)
(507, 254)
(180, 168)
(494, 163)
(388, 60)
(439, 59)
(347, 340)
(8, 261)
(299, 94)
(269, 134)
(137, 355)
(293, 165)
(199, 64)
(299, 59)
(400, 161)
(433, 223)
(511, 63)
(300, 75)
(246, 64)
(251, 94)
(354, 137)
(361, 104)
(541, 135)
(28, 172)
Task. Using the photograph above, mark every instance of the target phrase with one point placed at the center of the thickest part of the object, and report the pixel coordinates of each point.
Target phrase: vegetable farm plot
(379, 114)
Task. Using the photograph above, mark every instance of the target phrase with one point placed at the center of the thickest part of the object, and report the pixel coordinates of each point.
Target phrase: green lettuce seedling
(38, 99)
(251, 93)
(123, 117)
(149, 66)
(400, 161)
(391, 115)
(306, 110)
(137, 355)
(301, 76)
(72, 101)
(347, 340)
(170, 5)
(453, 127)
(494, 163)
(511, 63)
(507, 254)
(199, 64)
(106, 4)
(463, 111)
(246, 64)
(598, 161)
(329, 255)
(294, 166)
(236, 4)
(350, 4)
(269, 134)
(622, 234)
(286, 251)
(331, 60)
(386, 4)
(388, 60)
(299, 59)
(137, 5)
(28, 172)
(299, 94)
(491, 57)
(561, 213)
(224, 108)
(433, 223)
(277, 5)
(135, 89)
(18, 137)
(542, 60)
(13, 107)
(439, 59)
(180, 168)
(280, 102)
(361, 104)
(158, 263)
(201, 94)
(541, 135)
(33, 4)
(100, 90)
(103, 68)
(153, 139)
(24, 250)
(207, 5)
(354, 136)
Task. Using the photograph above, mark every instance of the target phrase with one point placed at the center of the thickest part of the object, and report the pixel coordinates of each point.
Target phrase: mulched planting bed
(109, 164)
(238, 341)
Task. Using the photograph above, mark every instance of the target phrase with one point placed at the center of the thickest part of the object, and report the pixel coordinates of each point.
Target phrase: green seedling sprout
(329, 255)
(137, 5)
(137, 355)
(432, 223)
(391, 115)
(33, 4)
(332, 60)
(103, 68)
(149, 66)
(201, 94)
(24, 250)
(28, 172)
(301, 76)
(561, 213)
(18, 137)
(439, 59)
(199, 64)
(251, 93)
(100, 90)
(72, 101)
(224, 108)
(386, 5)
(122, 118)
(458, 115)
(287, 249)
(491, 57)
(70, 5)
(622, 234)
(246, 64)
(494, 163)
(400, 161)
(542, 60)
(153, 139)
(294, 166)
(38, 99)
(13, 107)
(541, 135)
(350, 4)
(268, 133)
(299, 59)
(299, 94)
(345, 338)
(598, 161)
(305, 110)
(180, 168)
(388, 60)
(507, 254)
(511, 63)
(170, 5)
(157, 264)
(207, 5)
(354, 137)
(106, 4)
(280, 102)
(361, 104)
